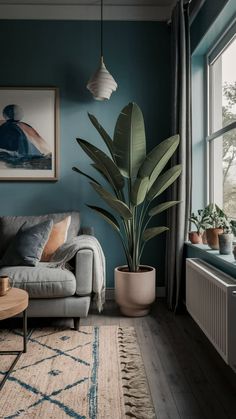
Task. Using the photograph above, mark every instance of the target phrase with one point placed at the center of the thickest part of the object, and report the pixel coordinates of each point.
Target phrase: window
(222, 123)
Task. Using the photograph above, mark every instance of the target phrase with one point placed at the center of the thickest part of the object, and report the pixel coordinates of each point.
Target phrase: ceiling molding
(72, 11)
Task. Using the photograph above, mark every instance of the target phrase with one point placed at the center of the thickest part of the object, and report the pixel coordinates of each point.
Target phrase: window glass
(224, 155)
(229, 84)
(223, 88)
(222, 131)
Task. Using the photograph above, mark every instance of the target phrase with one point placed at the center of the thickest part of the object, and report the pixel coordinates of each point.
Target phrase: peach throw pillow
(57, 237)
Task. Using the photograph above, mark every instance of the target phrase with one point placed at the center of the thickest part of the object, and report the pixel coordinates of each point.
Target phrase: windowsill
(226, 262)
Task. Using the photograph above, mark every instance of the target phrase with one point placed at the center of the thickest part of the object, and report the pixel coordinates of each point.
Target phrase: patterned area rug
(96, 373)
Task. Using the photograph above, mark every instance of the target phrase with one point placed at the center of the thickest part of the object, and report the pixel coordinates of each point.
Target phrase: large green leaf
(107, 166)
(129, 140)
(105, 136)
(152, 232)
(157, 159)
(76, 169)
(139, 190)
(162, 207)
(163, 182)
(120, 207)
(99, 169)
(107, 216)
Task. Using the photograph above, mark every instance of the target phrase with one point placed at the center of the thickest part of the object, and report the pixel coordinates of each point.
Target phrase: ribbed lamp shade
(102, 84)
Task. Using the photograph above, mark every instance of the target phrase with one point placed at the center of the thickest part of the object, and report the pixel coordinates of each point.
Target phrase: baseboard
(161, 292)
(110, 293)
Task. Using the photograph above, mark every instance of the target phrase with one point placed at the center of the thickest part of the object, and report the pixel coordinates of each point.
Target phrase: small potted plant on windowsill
(215, 222)
(195, 237)
(226, 239)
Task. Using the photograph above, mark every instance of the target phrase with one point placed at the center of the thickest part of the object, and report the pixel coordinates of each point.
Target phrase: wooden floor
(187, 377)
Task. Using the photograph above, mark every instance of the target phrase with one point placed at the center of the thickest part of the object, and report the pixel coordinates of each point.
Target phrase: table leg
(25, 330)
(17, 353)
(11, 367)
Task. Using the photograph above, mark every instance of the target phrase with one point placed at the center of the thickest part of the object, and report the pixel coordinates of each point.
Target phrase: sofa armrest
(84, 271)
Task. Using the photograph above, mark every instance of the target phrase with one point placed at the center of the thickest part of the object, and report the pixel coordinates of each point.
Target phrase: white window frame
(213, 148)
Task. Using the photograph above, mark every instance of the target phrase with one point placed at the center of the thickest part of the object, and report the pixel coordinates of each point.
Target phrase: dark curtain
(181, 124)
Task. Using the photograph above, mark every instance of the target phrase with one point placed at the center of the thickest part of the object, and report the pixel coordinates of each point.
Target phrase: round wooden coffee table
(14, 302)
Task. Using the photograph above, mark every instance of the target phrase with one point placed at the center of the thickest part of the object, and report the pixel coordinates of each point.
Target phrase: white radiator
(211, 301)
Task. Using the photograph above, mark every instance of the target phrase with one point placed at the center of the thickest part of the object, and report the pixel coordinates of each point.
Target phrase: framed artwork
(28, 133)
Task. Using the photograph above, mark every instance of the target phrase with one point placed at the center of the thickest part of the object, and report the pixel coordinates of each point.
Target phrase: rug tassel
(137, 399)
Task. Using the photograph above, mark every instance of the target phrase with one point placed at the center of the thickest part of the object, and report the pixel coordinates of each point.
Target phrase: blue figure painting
(20, 144)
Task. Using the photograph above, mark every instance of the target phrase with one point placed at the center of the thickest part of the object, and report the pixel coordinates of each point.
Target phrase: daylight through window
(222, 127)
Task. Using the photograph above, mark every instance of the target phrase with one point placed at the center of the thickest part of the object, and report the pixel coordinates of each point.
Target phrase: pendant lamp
(101, 84)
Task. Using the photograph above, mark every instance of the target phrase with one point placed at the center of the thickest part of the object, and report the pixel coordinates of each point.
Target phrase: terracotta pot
(212, 237)
(135, 291)
(195, 237)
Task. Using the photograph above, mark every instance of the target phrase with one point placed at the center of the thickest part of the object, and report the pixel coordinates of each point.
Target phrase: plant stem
(135, 240)
(131, 226)
(126, 250)
(126, 226)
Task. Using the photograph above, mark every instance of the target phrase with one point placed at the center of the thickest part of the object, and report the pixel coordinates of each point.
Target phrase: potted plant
(215, 220)
(226, 239)
(197, 219)
(135, 181)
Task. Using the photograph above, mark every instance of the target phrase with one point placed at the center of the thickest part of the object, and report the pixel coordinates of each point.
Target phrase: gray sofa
(53, 292)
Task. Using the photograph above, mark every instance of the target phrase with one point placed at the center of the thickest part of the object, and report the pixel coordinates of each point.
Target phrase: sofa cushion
(27, 246)
(57, 238)
(42, 281)
(9, 225)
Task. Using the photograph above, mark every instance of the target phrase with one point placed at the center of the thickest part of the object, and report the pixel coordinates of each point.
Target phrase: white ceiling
(87, 9)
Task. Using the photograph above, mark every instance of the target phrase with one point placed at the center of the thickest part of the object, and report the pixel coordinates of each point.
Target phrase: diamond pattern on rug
(54, 372)
(52, 367)
(96, 373)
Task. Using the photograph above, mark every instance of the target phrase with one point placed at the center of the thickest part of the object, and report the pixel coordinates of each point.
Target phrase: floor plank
(163, 400)
(185, 399)
(207, 404)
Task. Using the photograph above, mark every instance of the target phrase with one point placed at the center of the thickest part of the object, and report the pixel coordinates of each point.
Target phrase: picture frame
(29, 137)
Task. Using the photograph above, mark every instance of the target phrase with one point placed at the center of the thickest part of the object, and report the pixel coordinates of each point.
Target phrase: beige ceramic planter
(135, 291)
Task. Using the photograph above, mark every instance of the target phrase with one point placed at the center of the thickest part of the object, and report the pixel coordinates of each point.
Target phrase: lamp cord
(101, 28)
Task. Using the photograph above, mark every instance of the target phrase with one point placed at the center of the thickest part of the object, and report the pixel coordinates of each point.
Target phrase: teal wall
(65, 54)
(213, 20)
(205, 18)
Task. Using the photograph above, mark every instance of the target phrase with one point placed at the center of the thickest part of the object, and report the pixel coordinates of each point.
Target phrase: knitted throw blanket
(68, 250)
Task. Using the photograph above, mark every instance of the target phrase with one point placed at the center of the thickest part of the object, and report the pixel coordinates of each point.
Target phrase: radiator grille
(208, 293)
